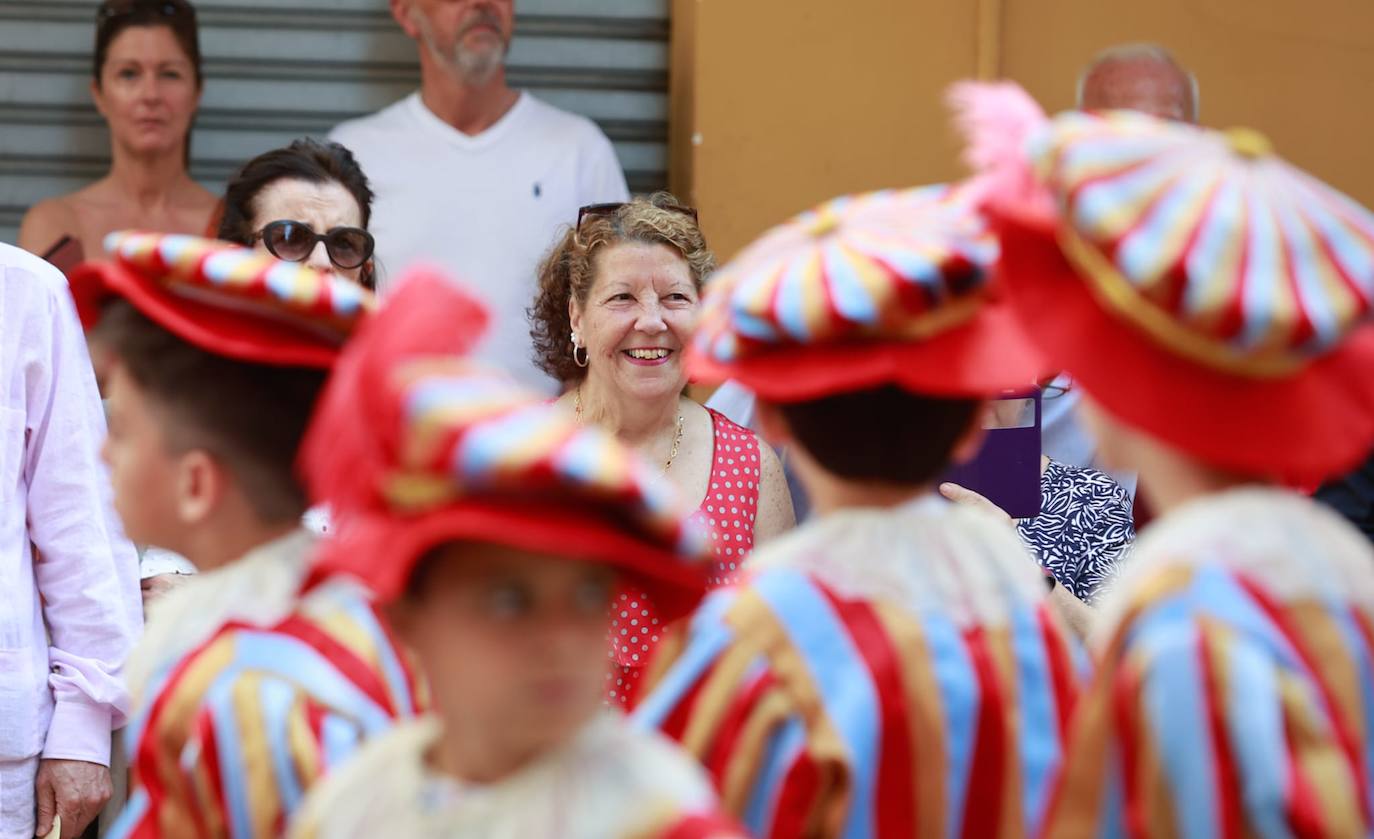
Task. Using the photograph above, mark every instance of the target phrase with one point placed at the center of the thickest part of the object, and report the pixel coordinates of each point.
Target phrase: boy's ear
(201, 482)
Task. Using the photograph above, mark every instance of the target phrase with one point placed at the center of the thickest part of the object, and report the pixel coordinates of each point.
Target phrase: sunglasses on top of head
(294, 241)
(111, 9)
(611, 208)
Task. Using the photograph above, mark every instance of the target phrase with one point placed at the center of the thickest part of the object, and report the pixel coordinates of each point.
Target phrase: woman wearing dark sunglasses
(309, 202)
(146, 83)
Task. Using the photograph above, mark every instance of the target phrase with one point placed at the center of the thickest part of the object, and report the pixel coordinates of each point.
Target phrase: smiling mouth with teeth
(648, 355)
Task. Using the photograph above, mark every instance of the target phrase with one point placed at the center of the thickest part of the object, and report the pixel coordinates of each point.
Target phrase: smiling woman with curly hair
(617, 304)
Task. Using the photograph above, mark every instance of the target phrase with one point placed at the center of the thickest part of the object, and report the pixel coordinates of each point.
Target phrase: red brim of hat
(382, 550)
(1298, 430)
(233, 333)
(985, 356)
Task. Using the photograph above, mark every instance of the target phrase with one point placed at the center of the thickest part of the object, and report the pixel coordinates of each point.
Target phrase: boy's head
(214, 358)
(191, 431)
(882, 435)
(870, 329)
(488, 520)
(532, 630)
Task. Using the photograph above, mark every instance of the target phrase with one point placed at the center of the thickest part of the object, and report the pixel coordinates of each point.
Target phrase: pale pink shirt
(61, 690)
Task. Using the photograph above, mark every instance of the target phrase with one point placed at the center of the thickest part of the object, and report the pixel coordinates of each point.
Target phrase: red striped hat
(225, 299)
(891, 287)
(414, 446)
(1194, 284)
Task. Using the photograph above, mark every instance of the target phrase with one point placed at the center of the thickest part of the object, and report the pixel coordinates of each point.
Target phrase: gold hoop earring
(577, 346)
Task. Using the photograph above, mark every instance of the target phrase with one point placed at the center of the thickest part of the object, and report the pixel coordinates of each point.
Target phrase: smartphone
(65, 254)
(1006, 470)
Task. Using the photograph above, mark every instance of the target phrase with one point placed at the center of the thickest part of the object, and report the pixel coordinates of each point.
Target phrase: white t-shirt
(484, 208)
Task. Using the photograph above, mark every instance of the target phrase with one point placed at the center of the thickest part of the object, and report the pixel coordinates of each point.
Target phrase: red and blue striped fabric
(823, 715)
(1235, 692)
(244, 725)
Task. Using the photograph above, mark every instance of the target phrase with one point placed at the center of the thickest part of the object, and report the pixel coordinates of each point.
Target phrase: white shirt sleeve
(85, 570)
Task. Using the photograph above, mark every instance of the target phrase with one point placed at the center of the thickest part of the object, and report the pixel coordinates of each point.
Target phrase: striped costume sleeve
(250, 721)
(824, 716)
(1221, 711)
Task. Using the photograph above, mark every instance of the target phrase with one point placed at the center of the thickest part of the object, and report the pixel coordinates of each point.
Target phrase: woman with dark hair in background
(146, 83)
(309, 202)
(276, 203)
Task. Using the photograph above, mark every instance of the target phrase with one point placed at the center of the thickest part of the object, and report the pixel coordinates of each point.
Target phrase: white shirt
(484, 208)
(58, 698)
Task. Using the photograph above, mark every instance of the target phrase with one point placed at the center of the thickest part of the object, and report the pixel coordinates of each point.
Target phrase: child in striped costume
(891, 668)
(1213, 303)
(242, 696)
(496, 531)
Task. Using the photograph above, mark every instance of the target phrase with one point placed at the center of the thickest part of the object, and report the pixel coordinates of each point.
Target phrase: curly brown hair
(567, 271)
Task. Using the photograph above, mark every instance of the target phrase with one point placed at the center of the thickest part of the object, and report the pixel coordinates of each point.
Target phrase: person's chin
(161, 141)
(651, 386)
(553, 723)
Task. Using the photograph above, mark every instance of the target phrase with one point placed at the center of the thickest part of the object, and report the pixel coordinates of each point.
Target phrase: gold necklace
(677, 437)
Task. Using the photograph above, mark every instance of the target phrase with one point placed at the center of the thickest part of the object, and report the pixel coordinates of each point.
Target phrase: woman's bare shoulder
(202, 208)
(48, 221)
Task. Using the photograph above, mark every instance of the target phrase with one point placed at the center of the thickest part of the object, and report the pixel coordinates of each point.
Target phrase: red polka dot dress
(727, 514)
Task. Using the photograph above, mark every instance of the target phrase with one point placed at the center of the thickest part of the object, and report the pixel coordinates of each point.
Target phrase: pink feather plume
(997, 119)
(354, 436)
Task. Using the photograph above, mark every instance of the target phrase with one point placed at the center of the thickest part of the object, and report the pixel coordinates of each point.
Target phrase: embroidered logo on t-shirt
(537, 190)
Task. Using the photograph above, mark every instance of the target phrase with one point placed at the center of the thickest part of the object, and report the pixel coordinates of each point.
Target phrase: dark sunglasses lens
(349, 248)
(289, 241)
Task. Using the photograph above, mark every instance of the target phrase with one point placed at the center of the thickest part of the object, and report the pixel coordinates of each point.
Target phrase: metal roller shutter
(279, 70)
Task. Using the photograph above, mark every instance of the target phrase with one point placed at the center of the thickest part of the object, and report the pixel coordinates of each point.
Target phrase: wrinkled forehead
(322, 205)
(640, 266)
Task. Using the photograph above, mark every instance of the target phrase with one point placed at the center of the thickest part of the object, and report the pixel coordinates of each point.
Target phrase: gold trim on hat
(950, 316)
(1121, 297)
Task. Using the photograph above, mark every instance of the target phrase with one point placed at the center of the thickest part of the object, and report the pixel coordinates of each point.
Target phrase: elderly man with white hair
(1139, 77)
(69, 603)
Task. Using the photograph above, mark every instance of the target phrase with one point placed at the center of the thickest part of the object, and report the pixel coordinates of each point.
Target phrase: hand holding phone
(1006, 470)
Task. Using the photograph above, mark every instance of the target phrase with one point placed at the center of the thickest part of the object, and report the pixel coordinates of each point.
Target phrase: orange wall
(794, 101)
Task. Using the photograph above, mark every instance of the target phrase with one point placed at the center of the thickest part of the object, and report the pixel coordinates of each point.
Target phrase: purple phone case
(1006, 470)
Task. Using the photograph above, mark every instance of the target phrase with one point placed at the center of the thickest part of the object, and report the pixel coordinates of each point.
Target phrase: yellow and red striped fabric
(242, 727)
(842, 702)
(1235, 690)
(826, 716)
